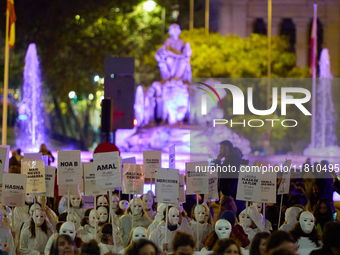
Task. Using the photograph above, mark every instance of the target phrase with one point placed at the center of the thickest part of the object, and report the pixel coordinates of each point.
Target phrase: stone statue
(174, 57)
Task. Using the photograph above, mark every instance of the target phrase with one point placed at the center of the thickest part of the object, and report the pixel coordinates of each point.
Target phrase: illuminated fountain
(29, 127)
(326, 117)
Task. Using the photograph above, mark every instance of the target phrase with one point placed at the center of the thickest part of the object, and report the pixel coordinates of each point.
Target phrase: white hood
(291, 214)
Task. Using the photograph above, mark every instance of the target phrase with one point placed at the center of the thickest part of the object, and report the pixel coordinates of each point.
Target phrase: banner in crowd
(249, 186)
(197, 178)
(133, 179)
(69, 167)
(32, 156)
(285, 181)
(268, 187)
(49, 181)
(152, 160)
(4, 160)
(181, 190)
(107, 170)
(35, 171)
(90, 186)
(14, 189)
(63, 189)
(172, 155)
(167, 185)
(213, 190)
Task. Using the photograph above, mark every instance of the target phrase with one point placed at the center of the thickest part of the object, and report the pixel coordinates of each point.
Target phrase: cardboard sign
(49, 181)
(152, 160)
(69, 167)
(213, 190)
(90, 181)
(172, 162)
(181, 190)
(167, 185)
(32, 156)
(133, 179)
(14, 189)
(249, 186)
(4, 161)
(74, 189)
(285, 181)
(35, 171)
(268, 188)
(107, 170)
(197, 180)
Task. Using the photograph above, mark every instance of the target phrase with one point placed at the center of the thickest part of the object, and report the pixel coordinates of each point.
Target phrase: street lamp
(72, 94)
(96, 78)
(149, 5)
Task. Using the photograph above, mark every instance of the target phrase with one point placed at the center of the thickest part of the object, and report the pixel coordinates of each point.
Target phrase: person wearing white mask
(89, 226)
(103, 214)
(76, 208)
(6, 236)
(122, 206)
(158, 235)
(305, 234)
(101, 200)
(50, 214)
(135, 234)
(21, 214)
(199, 224)
(290, 215)
(109, 243)
(147, 204)
(158, 218)
(115, 207)
(136, 212)
(33, 239)
(222, 230)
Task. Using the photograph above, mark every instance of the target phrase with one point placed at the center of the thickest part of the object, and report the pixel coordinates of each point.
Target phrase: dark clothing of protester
(238, 233)
(323, 251)
(14, 162)
(324, 187)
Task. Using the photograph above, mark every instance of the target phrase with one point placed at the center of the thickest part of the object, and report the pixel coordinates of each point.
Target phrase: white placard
(197, 178)
(49, 181)
(285, 181)
(249, 186)
(152, 160)
(69, 167)
(181, 191)
(107, 170)
(90, 181)
(32, 156)
(35, 171)
(167, 185)
(268, 187)
(213, 190)
(4, 154)
(74, 189)
(172, 155)
(14, 189)
(133, 179)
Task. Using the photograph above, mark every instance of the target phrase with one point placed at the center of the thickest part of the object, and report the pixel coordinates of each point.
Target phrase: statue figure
(174, 57)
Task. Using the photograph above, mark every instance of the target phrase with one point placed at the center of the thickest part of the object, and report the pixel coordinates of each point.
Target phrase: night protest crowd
(308, 223)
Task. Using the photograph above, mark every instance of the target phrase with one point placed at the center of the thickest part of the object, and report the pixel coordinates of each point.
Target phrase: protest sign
(69, 167)
(133, 179)
(167, 185)
(285, 181)
(268, 188)
(152, 160)
(74, 189)
(4, 161)
(249, 186)
(35, 171)
(213, 190)
(181, 191)
(197, 178)
(172, 162)
(107, 170)
(90, 181)
(14, 189)
(49, 181)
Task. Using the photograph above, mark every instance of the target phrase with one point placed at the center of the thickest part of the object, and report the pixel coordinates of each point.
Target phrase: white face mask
(68, 228)
(147, 202)
(222, 229)
(94, 218)
(123, 204)
(29, 198)
(306, 222)
(258, 206)
(136, 208)
(75, 201)
(102, 201)
(38, 217)
(199, 213)
(32, 209)
(103, 214)
(139, 233)
(115, 202)
(173, 216)
(243, 220)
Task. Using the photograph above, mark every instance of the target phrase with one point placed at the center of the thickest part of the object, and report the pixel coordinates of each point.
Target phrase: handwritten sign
(69, 167)
(107, 170)
(35, 171)
(14, 189)
(152, 160)
(133, 179)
